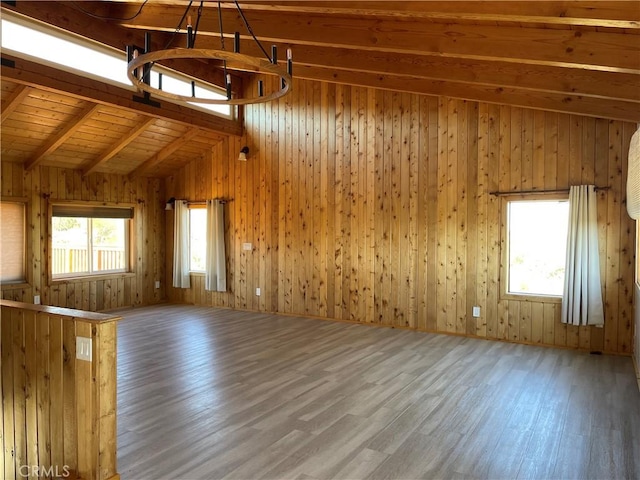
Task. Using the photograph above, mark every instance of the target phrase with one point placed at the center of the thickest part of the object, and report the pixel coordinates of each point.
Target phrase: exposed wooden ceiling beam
(623, 14)
(19, 94)
(573, 12)
(164, 153)
(549, 78)
(565, 47)
(612, 109)
(52, 79)
(118, 145)
(576, 57)
(54, 143)
(464, 11)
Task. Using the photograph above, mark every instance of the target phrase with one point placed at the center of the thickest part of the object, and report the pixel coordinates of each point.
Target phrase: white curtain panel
(582, 297)
(181, 245)
(216, 273)
(633, 177)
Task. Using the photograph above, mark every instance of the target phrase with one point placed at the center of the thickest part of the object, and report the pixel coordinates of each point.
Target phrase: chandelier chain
(195, 31)
(175, 32)
(224, 63)
(139, 65)
(250, 30)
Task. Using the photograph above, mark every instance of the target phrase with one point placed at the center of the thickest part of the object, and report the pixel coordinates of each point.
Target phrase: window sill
(91, 278)
(14, 286)
(531, 298)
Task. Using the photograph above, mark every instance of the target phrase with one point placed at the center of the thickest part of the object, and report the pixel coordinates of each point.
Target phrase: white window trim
(102, 274)
(505, 294)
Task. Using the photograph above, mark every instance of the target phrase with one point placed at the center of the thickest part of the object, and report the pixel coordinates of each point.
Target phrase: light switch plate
(157, 283)
(83, 348)
(258, 291)
(247, 246)
(36, 299)
(476, 312)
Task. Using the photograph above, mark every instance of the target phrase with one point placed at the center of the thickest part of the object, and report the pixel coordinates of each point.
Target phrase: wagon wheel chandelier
(140, 61)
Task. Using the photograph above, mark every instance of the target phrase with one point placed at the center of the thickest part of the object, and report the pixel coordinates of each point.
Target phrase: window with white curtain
(199, 244)
(534, 237)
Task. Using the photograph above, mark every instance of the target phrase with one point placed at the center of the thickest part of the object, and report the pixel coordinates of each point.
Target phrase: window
(12, 242)
(90, 58)
(197, 239)
(535, 244)
(88, 240)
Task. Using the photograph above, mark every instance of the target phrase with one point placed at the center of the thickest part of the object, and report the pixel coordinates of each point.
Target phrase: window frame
(102, 275)
(67, 35)
(195, 206)
(504, 247)
(26, 281)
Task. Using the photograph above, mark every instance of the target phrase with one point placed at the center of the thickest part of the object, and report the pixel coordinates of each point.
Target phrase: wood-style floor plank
(208, 393)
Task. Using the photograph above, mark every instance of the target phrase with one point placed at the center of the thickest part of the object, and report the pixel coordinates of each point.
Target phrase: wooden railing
(58, 412)
(76, 260)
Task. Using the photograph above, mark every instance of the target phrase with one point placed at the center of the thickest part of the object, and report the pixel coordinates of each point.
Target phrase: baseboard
(73, 475)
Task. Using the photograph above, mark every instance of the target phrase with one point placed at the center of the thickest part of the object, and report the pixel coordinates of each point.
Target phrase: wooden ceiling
(578, 57)
(42, 127)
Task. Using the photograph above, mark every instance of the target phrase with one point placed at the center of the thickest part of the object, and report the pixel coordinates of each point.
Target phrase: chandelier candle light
(139, 65)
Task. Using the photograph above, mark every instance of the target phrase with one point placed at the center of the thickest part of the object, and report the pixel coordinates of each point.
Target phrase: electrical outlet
(258, 291)
(83, 348)
(157, 283)
(36, 299)
(476, 312)
(247, 246)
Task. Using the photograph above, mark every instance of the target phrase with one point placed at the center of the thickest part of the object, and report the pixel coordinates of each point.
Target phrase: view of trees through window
(88, 245)
(537, 246)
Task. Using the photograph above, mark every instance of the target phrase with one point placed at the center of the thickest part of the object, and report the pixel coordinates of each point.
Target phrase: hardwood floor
(205, 393)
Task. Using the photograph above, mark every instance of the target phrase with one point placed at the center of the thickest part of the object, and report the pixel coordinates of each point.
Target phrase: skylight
(100, 61)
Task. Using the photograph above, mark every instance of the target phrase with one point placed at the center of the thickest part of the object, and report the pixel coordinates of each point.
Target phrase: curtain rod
(204, 202)
(527, 192)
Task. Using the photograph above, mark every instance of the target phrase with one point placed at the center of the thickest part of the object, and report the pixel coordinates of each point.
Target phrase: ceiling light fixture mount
(140, 64)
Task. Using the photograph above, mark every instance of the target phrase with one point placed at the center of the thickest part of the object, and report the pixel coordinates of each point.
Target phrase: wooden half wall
(373, 206)
(637, 324)
(58, 412)
(43, 185)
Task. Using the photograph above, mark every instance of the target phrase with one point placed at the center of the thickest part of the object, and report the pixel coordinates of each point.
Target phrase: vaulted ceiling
(578, 57)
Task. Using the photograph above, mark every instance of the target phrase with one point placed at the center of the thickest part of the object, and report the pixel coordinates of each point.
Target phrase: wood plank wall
(58, 413)
(374, 206)
(43, 185)
(637, 324)
(636, 349)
